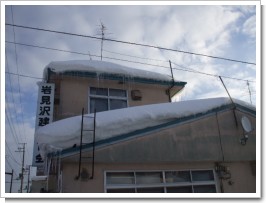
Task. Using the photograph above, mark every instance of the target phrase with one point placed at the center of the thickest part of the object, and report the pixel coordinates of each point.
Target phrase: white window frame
(164, 184)
(108, 97)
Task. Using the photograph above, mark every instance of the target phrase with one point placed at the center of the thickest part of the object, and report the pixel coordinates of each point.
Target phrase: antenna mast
(103, 28)
(249, 92)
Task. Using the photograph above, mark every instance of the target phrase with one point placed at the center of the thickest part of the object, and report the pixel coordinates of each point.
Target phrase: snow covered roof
(105, 68)
(65, 133)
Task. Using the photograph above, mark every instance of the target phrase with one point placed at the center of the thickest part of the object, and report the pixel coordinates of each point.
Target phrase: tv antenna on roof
(102, 33)
(103, 28)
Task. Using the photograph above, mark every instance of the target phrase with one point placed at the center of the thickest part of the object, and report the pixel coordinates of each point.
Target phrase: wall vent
(136, 95)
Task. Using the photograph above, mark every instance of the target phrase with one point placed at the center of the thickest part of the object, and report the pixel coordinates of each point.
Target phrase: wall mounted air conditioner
(136, 95)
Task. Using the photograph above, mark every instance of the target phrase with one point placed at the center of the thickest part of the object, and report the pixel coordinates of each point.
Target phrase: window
(185, 181)
(104, 99)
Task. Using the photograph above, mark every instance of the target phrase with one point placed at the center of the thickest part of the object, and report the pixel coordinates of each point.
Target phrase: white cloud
(249, 27)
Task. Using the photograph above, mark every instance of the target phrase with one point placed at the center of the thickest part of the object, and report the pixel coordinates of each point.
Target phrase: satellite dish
(246, 124)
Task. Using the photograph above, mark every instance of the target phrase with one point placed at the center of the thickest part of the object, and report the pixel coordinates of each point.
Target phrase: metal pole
(230, 99)
(80, 147)
(93, 145)
(11, 181)
(28, 180)
(173, 82)
(226, 89)
(22, 167)
(7, 173)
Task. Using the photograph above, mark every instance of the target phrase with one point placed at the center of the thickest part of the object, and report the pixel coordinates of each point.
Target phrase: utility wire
(16, 57)
(135, 56)
(11, 167)
(12, 132)
(117, 59)
(13, 101)
(195, 71)
(26, 76)
(131, 43)
(53, 49)
(11, 155)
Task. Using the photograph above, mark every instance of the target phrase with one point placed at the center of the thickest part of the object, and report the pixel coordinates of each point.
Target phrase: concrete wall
(73, 94)
(242, 180)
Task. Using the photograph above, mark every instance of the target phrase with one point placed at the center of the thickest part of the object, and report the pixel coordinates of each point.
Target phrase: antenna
(246, 124)
(102, 33)
(249, 92)
(103, 28)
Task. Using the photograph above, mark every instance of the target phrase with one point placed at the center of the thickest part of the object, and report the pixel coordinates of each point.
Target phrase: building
(134, 140)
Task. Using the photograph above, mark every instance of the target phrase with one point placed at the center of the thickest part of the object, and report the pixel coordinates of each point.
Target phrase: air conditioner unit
(84, 175)
(136, 95)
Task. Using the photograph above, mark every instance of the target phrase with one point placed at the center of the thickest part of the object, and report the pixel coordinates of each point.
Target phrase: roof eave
(117, 77)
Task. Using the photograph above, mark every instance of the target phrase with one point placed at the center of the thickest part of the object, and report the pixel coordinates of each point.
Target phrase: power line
(53, 49)
(11, 155)
(130, 43)
(12, 132)
(195, 71)
(26, 76)
(12, 93)
(11, 167)
(136, 56)
(16, 57)
(182, 67)
(124, 60)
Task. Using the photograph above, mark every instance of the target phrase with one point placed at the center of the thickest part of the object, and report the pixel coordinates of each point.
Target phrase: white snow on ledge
(65, 133)
(101, 67)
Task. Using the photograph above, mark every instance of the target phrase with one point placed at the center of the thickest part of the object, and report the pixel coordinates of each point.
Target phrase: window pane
(202, 175)
(184, 189)
(149, 177)
(117, 93)
(117, 104)
(99, 104)
(150, 190)
(120, 178)
(99, 91)
(204, 189)
(177, 176)
(125, 190)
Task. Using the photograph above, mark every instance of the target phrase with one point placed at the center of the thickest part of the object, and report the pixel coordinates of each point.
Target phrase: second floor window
(104, 99)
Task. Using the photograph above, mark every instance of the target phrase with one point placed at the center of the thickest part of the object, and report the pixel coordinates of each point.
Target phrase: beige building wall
(242, 179)
(192, 145)
(73, 95)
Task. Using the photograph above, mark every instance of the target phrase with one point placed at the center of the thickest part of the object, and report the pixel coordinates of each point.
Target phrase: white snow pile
(65, 133)
(101, 67)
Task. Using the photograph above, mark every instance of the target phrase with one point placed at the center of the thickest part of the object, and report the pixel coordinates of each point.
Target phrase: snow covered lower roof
(105, 68)
(65, 133)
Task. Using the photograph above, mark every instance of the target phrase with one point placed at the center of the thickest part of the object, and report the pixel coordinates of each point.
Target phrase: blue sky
(224, 31)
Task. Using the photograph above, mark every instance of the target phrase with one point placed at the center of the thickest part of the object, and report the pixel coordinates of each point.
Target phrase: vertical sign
(44, 116)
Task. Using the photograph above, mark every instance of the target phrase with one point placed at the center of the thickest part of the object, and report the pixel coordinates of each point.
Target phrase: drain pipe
(173, 83)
